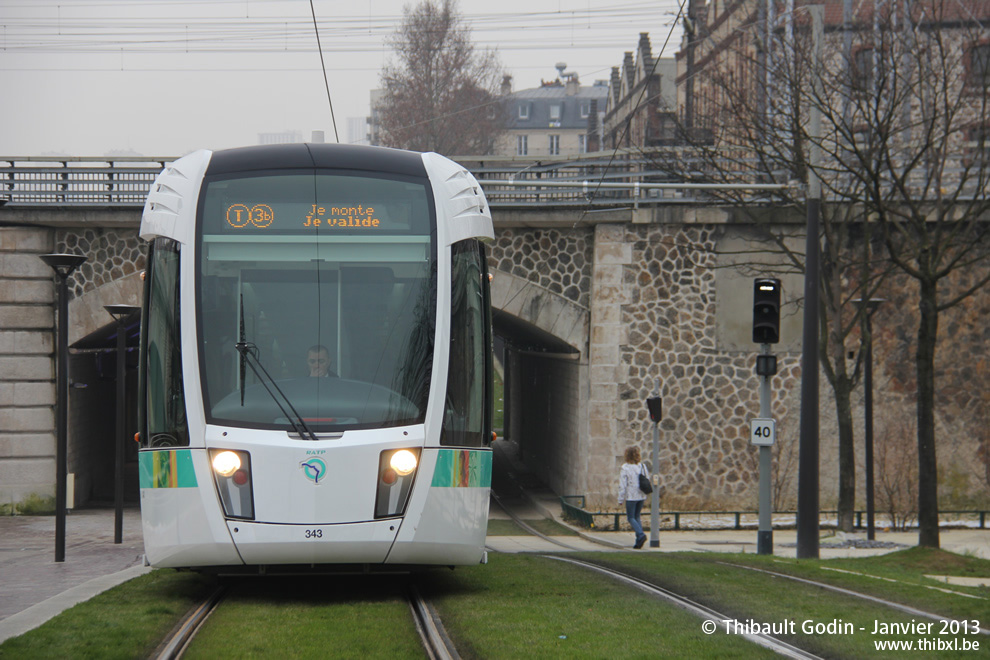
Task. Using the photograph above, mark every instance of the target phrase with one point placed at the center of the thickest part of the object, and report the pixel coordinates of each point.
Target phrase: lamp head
(121, 312)
(63, 264)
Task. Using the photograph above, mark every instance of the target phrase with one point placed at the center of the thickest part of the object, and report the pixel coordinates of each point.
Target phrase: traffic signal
(655, 406)
(766, 310)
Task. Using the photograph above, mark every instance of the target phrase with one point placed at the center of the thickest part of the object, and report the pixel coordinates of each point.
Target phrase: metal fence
(508, 182)
(34, 182)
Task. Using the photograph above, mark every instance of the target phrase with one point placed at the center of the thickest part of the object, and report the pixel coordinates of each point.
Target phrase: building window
(583, 143)
(524, 111)
(585, 110)
(554, 145)
(522, 145)
(979, 65)
(862, 70)
(977, 154)
(555, 112)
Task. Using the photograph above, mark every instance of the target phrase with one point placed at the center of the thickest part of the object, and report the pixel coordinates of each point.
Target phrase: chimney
(628, 68)
(645, 52)
(506, 85)
(593, 139)
(614, 82)
(573, 84)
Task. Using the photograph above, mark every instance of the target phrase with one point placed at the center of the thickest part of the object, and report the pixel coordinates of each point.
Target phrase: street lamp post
(63, 265)
(120, 314)
(869, 307)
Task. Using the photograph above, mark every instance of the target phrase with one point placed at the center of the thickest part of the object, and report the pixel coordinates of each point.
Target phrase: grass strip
(127, 621)
(840, 625)
(524, 606)
(310, 617)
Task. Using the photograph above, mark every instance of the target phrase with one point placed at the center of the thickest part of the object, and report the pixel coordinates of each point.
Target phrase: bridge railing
(508, 183)
(77, 181)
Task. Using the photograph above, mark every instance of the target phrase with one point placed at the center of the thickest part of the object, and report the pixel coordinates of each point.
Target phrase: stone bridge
(591, 310)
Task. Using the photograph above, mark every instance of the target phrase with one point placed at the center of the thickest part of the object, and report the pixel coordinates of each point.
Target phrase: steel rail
(429, 626)
(855, 594)
(178, 640)
(707, 613)
(519, 521)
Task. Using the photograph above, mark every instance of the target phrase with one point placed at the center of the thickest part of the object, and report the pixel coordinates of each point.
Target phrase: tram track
(178, 640)
(429, 626)
(708, 614)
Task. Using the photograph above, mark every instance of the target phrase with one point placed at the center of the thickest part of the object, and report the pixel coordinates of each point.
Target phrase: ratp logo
(314, 469)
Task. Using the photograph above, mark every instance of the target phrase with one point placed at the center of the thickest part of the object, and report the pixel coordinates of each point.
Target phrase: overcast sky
(165, 77)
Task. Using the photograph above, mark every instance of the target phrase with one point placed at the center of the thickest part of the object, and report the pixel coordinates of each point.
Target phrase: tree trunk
(847, 456)
(927, 466)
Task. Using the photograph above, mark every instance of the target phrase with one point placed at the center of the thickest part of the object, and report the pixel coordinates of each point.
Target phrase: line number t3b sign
(762, 431)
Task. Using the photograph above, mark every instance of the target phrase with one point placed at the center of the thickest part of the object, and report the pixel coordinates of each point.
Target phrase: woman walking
(630, 493)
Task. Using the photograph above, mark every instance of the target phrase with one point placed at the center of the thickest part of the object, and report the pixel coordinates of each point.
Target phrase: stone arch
(86, 311)
(554, 317)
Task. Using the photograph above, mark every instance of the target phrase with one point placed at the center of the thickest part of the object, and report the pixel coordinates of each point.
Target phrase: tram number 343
(314, 533)
(762, 431)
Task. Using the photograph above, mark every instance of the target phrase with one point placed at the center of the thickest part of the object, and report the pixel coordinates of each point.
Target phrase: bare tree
(751, 127)
(916, 136)
(897, 472)
(906, 170)
(439, 94)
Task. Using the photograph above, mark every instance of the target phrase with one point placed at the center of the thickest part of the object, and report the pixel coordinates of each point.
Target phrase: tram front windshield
(316, 300)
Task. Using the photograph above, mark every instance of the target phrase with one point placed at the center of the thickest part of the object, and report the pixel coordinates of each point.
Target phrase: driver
(318, 359)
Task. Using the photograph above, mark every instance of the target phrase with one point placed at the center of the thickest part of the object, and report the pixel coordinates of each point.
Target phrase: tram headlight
(233, 479)
(403, 462)
(226, 463)
(396, 473)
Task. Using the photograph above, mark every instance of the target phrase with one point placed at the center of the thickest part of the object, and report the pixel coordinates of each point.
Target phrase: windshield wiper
(248, 353)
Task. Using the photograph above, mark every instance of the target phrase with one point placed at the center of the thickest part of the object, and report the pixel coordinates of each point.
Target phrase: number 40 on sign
(762, 431)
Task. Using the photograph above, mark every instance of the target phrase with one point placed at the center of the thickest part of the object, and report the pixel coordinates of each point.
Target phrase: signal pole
(808, 505)
(655, 406)
(763, 429)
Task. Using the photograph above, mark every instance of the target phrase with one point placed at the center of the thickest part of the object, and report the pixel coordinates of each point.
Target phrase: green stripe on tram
(167, 469)
(463, 468)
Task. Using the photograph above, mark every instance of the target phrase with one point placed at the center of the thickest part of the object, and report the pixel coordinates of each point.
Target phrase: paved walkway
(545, 504)
(34, 588)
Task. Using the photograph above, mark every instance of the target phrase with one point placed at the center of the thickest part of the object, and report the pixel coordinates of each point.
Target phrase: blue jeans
(633, 509)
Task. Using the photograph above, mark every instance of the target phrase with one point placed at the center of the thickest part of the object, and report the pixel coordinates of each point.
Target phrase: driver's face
(319, 364)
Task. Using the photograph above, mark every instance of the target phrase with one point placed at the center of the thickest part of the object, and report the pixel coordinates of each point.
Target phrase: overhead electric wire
(326, 81)
(267, 34)
(625, 129)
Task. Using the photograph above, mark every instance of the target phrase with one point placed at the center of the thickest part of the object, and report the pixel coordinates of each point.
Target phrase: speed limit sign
(762, 431)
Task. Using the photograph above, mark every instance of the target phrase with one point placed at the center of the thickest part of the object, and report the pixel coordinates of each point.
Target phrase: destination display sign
(315, 205)
(262, 216)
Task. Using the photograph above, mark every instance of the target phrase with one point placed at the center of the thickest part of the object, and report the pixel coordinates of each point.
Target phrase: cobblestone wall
(558, 260)
(654, 313)
(111, 255)
(654, 317)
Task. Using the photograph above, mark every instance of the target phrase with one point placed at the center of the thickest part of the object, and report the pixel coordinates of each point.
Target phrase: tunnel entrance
(541, 403)
(93, 414)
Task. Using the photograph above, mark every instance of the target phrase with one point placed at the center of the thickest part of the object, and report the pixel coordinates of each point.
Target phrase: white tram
(316, 361)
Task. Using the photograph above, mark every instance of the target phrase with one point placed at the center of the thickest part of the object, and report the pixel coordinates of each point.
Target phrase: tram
(315, 386)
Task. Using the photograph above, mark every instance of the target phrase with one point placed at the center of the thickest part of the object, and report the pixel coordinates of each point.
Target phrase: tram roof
(329, 156)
